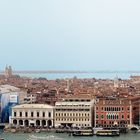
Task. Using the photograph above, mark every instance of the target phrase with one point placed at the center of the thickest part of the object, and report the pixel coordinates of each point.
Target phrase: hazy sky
(70, 34)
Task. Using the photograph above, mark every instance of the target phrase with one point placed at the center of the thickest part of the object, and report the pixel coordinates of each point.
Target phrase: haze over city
(69, 69)
(70, 35)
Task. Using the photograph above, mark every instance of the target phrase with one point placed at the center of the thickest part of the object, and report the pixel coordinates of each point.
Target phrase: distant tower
(8, 71)
(68, 85)
(116, 82)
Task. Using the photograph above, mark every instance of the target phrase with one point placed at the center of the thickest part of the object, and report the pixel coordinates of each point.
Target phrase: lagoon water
(56, 136)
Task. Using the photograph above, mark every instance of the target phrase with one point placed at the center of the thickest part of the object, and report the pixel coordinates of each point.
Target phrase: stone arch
(134, 128)
(37, 122)
(20, 122)
(26, 122)
(15, 122)
(49, 123)
(43, 123)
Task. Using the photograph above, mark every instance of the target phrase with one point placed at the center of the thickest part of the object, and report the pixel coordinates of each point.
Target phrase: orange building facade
(111, 112)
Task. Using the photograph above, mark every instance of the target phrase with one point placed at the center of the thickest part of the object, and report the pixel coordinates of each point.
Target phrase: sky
(70, 34)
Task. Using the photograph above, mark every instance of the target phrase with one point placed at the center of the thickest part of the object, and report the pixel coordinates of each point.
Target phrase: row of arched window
(112, 117)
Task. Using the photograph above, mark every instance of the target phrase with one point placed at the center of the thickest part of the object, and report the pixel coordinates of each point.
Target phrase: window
(37, 114)
(43, 114)
(15, 114)
(20, 114)
(49, 114)
(128, 116)
(122, 116)
(32, 114)
(26, 114)
(102, 116)
(113, 109)
(97, 116)
(113, 117)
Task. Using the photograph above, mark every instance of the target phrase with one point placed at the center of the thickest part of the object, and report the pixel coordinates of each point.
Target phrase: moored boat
(108, 133)
(50, 137)
(82, 133)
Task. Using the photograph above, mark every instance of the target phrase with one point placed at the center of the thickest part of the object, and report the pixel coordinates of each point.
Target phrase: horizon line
(71, 71)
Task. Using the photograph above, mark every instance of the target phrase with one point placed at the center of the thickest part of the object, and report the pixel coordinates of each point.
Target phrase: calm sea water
(54, 136)
(97, 75)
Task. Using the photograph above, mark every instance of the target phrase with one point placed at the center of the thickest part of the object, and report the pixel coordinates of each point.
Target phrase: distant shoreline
(69, 72)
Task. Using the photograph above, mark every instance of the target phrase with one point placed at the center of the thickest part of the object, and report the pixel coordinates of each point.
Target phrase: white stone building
(74, 112)
(40, 115)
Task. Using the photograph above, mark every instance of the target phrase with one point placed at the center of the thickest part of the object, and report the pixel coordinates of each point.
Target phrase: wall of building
(113, 112)
(32, 117)
(74, 114)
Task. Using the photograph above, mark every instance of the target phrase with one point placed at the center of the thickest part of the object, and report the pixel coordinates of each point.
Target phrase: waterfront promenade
(64, 136)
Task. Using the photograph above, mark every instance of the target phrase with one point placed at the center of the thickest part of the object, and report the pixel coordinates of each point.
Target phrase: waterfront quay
(63, 136)
(73, 113)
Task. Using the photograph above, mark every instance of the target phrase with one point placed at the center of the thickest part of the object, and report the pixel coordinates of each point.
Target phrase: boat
(37, 130)
(82, 133)
(108, 133)
(13, 130)
(1, 138)
(96, 129)
(50, 137)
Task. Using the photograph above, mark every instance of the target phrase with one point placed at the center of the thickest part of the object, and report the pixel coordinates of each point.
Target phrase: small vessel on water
(50, 137)
(37, 130)
(108, 133)
(82, 133)
(1, 138)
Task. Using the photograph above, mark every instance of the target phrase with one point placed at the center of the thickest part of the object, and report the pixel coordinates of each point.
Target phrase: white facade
(74, 113)
(40, 115)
